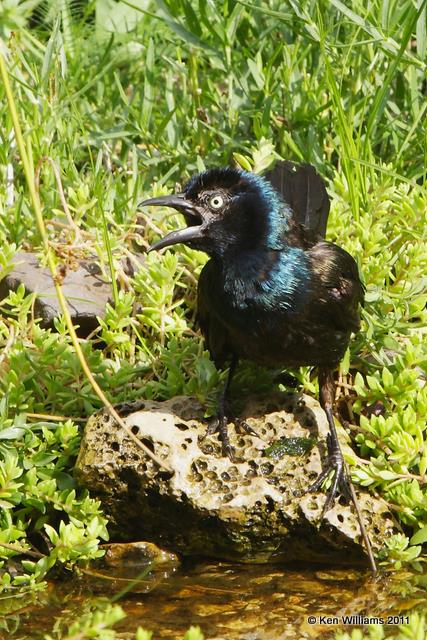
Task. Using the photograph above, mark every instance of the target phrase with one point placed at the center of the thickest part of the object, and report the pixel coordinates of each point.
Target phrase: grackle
(274, 291)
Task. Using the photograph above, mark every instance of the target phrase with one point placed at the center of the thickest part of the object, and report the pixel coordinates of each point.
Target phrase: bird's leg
(219, 422)
(335, 460)
(336, 463)
(225, 415)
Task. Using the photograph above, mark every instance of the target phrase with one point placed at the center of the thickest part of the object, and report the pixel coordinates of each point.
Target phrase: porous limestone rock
(250, 510)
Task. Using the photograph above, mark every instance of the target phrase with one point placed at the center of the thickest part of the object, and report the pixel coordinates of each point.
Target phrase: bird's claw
(219, 424)
(340, 481)
(242, 426)
(213, 425)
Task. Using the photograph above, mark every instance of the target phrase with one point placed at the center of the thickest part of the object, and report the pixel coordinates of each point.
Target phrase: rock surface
(83, 286)
(137, 567)
(210, 506)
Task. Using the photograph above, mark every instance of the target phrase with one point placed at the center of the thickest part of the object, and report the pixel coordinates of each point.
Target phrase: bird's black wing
(304, 191)
(213, 330)
(337, 285)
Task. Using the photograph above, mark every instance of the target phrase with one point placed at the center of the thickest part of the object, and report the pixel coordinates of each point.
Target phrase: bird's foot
(242, 426)
(219, 424)
(340, 480)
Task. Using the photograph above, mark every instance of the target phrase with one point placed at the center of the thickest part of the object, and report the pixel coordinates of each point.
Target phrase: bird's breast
(270, 319)
(271, 280)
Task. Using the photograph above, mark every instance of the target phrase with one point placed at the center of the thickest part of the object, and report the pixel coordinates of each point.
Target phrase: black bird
(274, 291)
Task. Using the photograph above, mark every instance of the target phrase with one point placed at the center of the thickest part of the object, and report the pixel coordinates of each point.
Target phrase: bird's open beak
(192, 215)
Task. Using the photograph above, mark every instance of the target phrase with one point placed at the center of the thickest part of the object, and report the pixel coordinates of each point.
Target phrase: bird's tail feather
(304, 191)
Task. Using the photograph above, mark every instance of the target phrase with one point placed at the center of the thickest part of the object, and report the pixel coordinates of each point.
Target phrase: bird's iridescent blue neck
(274, 212)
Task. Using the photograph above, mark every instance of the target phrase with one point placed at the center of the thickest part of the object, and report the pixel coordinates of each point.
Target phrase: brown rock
(85, 290)
(136, 567)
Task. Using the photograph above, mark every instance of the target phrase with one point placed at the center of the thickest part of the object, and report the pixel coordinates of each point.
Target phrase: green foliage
(37, 488)
(142, 634)
(94, 623)
(97, 621)
(128, 97)
(194, 633)
(397, 551)
(415, 630)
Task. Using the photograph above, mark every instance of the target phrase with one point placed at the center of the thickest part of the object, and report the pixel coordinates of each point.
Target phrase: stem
(363, 531)
(21, 551)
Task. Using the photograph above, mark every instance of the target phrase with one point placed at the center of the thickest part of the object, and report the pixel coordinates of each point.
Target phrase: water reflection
(228, 601)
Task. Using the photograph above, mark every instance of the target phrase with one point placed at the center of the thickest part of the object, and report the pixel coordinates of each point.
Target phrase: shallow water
(228, 601)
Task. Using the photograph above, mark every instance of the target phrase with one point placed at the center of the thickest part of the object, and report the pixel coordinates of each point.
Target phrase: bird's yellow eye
(216, 201)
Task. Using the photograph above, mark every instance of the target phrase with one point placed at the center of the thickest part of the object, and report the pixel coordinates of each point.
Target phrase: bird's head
(224, 209)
